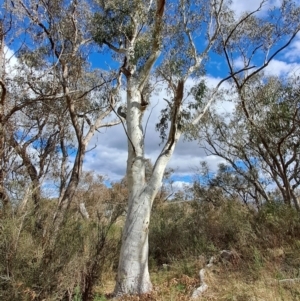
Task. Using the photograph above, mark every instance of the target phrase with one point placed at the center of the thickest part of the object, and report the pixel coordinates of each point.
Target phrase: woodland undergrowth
(265, 245)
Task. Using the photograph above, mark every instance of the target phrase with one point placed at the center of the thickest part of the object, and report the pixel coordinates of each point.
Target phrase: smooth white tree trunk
(133, 274)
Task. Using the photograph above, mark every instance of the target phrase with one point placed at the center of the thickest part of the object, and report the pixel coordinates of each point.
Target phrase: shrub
(84, 249)
(179, 231)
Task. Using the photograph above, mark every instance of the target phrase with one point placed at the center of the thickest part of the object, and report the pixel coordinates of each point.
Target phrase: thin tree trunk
(66, 199)
(3, 196)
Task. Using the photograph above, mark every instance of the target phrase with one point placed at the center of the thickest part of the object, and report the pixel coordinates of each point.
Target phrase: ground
(227, 281)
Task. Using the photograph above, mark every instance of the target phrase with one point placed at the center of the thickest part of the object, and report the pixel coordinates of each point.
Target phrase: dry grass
(226, 283)
(225, 286)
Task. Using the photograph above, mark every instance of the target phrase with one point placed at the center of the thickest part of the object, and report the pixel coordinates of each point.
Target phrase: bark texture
(133, 273)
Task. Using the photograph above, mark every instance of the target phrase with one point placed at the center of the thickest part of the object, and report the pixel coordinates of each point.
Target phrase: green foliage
(197, 93)
(77, 294)
(113, 25)
(163, 124)
(99, 298)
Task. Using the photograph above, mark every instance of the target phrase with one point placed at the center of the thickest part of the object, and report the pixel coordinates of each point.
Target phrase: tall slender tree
(176, 39)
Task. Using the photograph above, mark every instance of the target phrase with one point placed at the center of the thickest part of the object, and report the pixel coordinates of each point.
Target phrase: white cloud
(241, 6)
(11, 62)
(281, 68)
(238, 63)
(293, 52)
(110, 154)
(180, 185)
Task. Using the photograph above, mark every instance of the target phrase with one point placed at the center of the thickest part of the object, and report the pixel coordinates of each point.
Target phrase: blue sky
(110, 154)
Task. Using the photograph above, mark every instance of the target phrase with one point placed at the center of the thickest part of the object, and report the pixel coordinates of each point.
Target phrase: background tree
(54, 100)
(9, 30)
(260, 139)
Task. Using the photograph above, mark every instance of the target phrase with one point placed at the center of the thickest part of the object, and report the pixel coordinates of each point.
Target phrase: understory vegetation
(264, 243)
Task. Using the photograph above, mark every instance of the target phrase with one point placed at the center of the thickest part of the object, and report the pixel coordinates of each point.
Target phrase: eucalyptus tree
(11, 29)
(233, 181)
(3, 195)
(34, 142)
(176, 40)
(8, 24)
(260, 139)
(65, 99)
